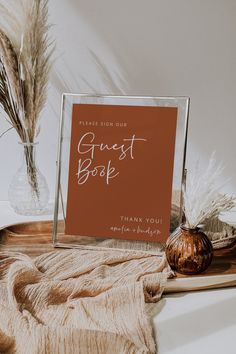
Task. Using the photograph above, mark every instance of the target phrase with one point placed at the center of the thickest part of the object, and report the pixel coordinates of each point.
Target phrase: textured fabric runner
(79, 301)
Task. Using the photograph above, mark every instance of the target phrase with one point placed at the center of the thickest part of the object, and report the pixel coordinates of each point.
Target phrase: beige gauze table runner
(79, 301)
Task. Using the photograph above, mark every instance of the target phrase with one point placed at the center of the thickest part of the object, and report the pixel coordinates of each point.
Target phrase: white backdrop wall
(152, 47)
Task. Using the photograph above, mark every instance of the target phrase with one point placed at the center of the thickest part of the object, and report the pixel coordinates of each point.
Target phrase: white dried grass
(202, 197)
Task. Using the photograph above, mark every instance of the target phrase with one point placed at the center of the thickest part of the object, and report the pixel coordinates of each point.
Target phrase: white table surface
(9, 217)
(186, 323)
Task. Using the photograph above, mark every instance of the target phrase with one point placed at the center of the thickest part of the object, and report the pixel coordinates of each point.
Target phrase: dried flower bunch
(25, 53)
(202, 197)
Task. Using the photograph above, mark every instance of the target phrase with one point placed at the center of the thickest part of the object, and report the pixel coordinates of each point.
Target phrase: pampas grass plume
(202, 197)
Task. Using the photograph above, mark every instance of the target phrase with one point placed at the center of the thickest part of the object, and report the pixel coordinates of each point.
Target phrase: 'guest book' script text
(88, 146)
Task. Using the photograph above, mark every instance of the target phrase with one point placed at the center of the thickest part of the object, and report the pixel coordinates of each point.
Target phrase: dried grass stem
(25, 62)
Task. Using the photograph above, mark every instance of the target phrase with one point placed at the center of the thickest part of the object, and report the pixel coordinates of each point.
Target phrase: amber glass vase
(189, 251)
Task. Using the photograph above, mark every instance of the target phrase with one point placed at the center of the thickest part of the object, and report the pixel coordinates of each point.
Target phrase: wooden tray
(35, 238)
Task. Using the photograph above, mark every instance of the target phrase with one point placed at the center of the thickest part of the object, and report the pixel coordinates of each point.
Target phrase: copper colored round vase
(189, 251)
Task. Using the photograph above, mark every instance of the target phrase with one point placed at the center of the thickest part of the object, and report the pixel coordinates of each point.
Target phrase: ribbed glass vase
(189, 251)
(28, 191)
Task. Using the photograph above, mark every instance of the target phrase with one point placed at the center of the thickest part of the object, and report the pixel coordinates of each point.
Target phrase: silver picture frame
(68, 100)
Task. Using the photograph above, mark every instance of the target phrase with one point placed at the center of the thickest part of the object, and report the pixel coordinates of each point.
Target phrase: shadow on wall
(81, 84)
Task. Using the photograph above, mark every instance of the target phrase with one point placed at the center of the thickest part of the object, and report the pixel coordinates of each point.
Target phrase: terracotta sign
(121, 171)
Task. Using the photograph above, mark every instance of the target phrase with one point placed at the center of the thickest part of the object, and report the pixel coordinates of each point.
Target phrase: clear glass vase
(28, 191)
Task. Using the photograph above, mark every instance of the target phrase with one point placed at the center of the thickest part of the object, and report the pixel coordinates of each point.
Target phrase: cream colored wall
(152, 47)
